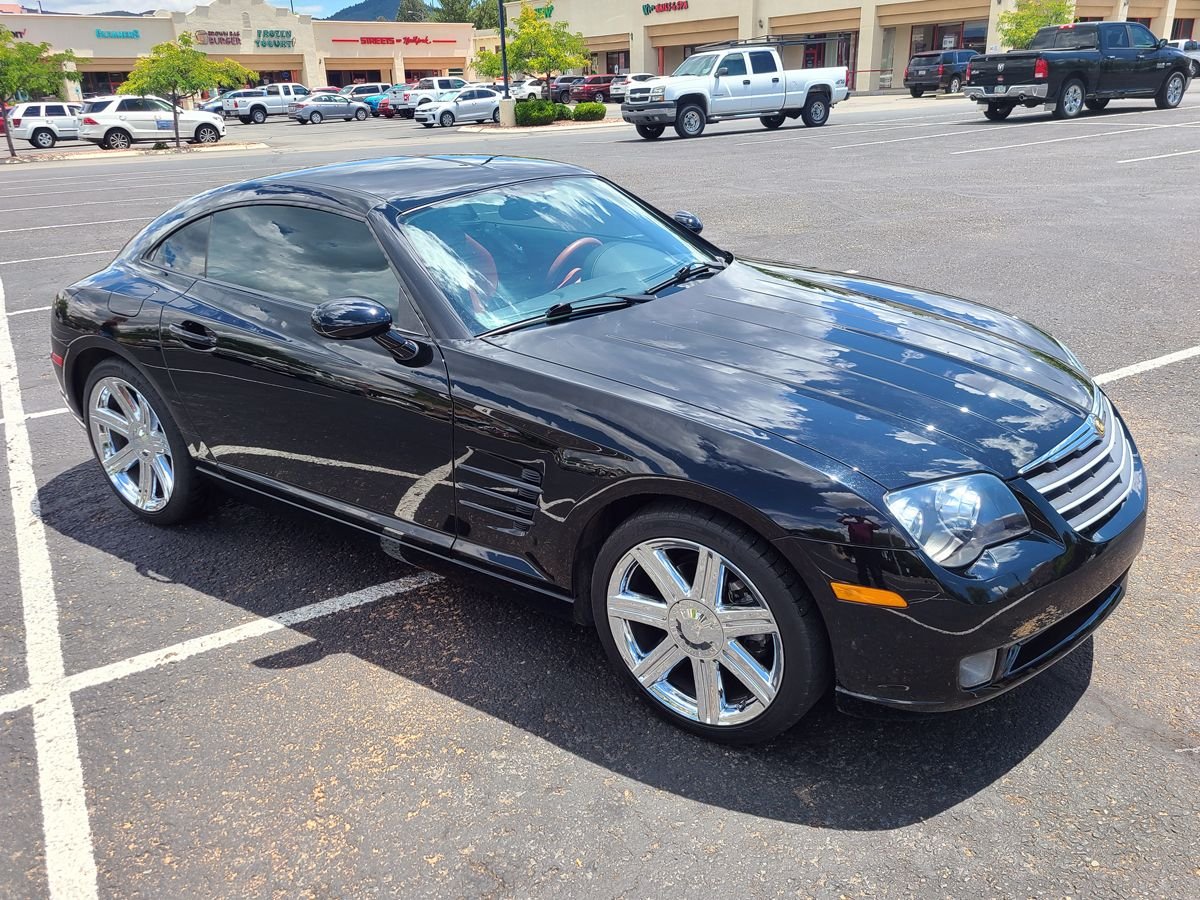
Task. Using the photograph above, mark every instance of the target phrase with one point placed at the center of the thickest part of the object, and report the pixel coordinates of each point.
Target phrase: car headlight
(955, 520)
(658, 93)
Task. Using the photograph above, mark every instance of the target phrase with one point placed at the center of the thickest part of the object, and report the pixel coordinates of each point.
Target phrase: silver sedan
(316, 108)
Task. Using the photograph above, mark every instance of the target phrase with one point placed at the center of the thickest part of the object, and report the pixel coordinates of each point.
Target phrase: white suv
(116, 122)
(46, 123)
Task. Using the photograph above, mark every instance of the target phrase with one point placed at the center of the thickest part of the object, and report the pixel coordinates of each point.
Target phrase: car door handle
(774, 81)
(746, 81)
(194, 335)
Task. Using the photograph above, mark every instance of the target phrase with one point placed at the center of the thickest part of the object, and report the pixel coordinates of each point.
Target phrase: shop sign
(274, 37)
(209, 38)
(543, 12)
(133, 35)
(673, 6)
(407, 40)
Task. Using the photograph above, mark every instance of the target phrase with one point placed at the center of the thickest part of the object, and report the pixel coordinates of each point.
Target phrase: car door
(1117, 58)
(137, 116)
(731, 91)
(1150, 64)
(268, 397)
(61, 119)
(766, 81)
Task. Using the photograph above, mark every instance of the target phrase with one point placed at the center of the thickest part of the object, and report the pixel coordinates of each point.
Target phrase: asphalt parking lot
(261, 704)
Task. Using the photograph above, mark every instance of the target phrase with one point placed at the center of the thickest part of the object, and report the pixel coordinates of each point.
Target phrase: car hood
(902, 384)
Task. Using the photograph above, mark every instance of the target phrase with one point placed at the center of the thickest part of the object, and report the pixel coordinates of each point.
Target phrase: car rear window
(95, 106)
(1065, 38)
(924, 59)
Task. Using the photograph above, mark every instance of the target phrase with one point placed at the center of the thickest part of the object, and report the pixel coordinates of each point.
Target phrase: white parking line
(1073, 137)
(44, 414)
(32, 309)
(67, 836)
(1161, 155)
(1157, 363)
(32, 259)
(75, 224)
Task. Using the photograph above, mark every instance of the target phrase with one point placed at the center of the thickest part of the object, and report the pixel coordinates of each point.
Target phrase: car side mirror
(351, 318)
(1162, 42)
(690, 222)
(722, 71)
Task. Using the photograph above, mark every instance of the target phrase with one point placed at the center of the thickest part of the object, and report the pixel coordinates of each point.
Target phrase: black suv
(559, 90)
(944, 69)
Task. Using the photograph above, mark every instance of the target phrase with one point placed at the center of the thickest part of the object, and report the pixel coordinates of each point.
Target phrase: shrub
(590, 112)
(562, 112)
(535, 112)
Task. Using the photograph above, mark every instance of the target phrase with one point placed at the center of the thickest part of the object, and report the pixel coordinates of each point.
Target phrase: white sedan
(468, 105)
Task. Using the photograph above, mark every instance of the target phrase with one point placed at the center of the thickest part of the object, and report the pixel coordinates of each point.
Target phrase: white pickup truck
(738, 80)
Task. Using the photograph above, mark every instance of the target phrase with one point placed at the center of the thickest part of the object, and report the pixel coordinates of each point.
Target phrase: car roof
(408, 182)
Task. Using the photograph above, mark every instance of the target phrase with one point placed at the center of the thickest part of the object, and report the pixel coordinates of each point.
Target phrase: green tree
(487, 14)
(412, 11)
(539, 45)
(176, 69)
(1018, 26)
(454, 11)
(29, 70)
(487, 64)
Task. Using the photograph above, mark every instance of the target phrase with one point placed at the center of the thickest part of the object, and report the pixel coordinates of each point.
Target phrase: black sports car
(755, 479)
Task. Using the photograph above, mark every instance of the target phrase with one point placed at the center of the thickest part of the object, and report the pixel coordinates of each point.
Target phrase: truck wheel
(771, 122)
(650, 132)
(690, 121)
(917, 92)
(1170, 95)
(1071, 97)
(43, 139)
(245, 120)
(997, 112)
(955, 85)
(258, 115)
(816, 111)
(1096, 105)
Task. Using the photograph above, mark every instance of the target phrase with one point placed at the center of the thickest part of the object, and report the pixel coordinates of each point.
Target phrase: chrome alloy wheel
(695, 632)
(1175, 89)
(1073, 99)
(131, 444)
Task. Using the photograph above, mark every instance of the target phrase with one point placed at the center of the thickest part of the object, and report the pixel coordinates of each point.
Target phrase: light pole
(503, 48)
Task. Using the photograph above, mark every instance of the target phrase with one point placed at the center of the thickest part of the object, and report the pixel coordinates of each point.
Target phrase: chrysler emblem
(1098, 424)
(1000, 68)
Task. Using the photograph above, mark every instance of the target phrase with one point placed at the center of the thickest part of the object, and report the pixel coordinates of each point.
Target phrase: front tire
(316, 118)
(690, 121)
(138, 445)
(599, 98)
(446, 119)
(997, 112)
(1170, 95)
(699, 615)
(650, 132)
(1071, 97)
(815, 112)
(43, 139)
(771, 122)
(360, 115)
(207, 134)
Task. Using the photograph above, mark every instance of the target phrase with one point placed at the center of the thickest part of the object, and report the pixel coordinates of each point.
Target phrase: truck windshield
(1064, 38)
(700, 64)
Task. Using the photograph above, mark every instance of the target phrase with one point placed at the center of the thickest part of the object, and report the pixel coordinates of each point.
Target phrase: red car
(594, 87)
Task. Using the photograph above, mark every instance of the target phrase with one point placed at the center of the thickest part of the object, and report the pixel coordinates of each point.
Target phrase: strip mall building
(874, 39)
(274, 42)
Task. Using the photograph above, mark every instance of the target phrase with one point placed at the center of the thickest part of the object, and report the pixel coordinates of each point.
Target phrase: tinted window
(300, 254)
(425, 84)
(184, 251)
(734, 64)
(55, 111)
(469, 95)
(1117, 38)
(1078, 37)
(133, 104)
(96, 106)
(32, 111)
(1142, 38)
(762, 62)
(300, 91)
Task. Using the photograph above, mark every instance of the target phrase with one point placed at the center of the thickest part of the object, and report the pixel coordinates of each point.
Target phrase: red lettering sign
(407, 40)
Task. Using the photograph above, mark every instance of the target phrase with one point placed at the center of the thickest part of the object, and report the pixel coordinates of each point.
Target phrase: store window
(922, 40)
(1141, 21)
(277, 77)
(1181, 29)
(616, 62)
(974, 35)
(98, 84)
(356, 76)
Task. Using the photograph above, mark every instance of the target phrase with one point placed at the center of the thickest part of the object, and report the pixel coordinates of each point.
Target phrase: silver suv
(46, 123)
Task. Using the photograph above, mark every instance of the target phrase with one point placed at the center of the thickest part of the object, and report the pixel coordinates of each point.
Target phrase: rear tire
(997, 112)
(650, 132)
(599, 98)
(43, 139)
(117, 139)
(496, 115)
(1096, 105)
(955, 85)
(772, 122)
(1071, 97)
(258, 115)
(756, 578)
(816, 111)
(184, 492)
(917, 92)
(1170, 95)
(690, 121)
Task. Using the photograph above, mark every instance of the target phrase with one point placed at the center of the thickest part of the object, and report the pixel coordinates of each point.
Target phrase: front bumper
(1047, 592)
(660, 113)
(1000, 93)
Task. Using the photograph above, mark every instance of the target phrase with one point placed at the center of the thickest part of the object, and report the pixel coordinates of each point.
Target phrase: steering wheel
(563, 270)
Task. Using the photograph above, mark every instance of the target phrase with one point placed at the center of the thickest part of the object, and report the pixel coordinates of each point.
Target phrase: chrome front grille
(638, 95)
(1090, 477)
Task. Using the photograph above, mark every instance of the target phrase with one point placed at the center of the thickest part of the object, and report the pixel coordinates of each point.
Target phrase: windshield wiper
(560, 312)
(687, 273)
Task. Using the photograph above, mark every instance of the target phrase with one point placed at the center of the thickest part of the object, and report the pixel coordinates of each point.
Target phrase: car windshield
(448, 95)
(700, 64)
(506, 255)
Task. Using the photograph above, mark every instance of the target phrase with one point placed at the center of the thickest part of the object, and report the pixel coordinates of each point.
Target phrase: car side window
(55, 111)
(158, 106)
(300, 91)
(132, 104)
(1117, 38)
(734, 64)
(300, 254)
(31, 111)
(762, 63)
(1142, 37)
(457, 83)
(184, 251)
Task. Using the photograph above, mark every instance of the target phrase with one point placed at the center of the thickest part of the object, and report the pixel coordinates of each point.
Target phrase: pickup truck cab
(738, 80)
(1069, 68)
(426, 91)
(268, 100)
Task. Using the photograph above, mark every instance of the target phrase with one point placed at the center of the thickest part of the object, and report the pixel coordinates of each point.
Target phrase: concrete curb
(125, 154)
(539, 129)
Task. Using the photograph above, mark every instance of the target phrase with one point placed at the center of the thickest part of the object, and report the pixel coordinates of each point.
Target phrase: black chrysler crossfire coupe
(756, 480)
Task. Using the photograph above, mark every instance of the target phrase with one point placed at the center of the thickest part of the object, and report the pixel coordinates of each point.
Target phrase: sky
(316, 8)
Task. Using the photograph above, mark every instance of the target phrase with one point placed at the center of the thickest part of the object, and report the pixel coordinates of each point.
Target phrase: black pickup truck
(1068, 68)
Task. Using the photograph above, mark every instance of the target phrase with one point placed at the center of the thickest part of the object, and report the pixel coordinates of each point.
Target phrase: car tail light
(967, 76)
(906, 71)
(1041, 69)
(88, 120)
(16, 123)
(941, 71)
